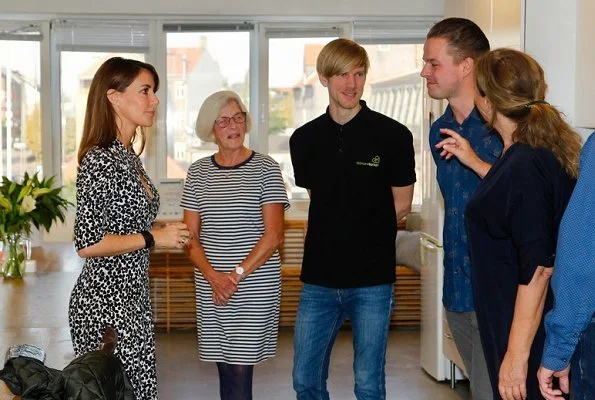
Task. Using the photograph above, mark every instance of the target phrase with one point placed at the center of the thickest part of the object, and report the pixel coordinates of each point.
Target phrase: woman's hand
(512, 379)
(223, 287)
(172, 235)
(457, 146)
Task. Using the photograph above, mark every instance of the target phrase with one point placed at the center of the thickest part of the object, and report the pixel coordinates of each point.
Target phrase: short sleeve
(94, 184)
(402, 167)
(531, 217)
(299, 159)
(189, 199)
(273, 189)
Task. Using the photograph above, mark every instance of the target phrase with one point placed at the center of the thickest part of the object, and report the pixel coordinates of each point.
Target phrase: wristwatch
(240, 271)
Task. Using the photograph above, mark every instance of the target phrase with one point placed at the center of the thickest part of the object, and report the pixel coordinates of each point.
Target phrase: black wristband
(149, 239)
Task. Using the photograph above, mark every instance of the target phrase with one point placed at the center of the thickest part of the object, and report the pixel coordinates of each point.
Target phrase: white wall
(501, 20)
(559, 34)
(188, 8)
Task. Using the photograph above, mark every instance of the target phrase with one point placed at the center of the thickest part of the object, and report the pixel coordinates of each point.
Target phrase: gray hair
(209, 111)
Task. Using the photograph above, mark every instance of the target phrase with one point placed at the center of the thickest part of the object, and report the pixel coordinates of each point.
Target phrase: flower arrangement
(22, 204)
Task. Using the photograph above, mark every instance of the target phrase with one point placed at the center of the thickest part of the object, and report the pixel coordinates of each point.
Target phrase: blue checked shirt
(457, 184)
(573, 282)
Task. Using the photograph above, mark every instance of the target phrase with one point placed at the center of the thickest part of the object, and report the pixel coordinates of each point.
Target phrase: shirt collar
(450, 117)
(353, 120)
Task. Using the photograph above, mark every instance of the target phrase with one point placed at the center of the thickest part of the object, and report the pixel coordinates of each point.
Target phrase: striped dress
(229, 201)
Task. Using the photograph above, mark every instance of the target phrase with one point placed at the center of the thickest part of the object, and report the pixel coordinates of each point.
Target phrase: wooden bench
(172, 286)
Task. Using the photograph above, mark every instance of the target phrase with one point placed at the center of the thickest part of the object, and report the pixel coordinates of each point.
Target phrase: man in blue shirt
(569, 326)
(450, 50)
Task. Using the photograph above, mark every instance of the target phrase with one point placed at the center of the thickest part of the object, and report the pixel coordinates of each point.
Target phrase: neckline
(503, 157)
(357, 115)
(219, 166)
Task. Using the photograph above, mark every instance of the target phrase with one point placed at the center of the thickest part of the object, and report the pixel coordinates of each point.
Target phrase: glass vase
(16, 251)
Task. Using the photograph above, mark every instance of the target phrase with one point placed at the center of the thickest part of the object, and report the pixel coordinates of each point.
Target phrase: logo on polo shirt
(374, 163)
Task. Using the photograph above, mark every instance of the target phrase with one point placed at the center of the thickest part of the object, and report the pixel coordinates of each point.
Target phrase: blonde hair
(515, 85)
(209, 111)
(339, 56)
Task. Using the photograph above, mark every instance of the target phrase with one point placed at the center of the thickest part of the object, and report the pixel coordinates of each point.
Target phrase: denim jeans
(321, 313)
(582, 368)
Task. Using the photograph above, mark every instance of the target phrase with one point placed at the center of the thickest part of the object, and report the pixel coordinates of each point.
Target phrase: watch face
(239, 270)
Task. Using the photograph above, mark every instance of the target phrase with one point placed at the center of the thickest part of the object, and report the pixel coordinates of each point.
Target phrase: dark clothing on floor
(96, 375)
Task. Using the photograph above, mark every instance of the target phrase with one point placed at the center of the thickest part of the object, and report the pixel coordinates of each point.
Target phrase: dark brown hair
(515, 85)
(100, 128)
(464, 37)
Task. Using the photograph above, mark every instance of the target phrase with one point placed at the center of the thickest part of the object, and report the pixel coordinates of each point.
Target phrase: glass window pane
(199, 64)
(394, 88)
(20, 117)
(77, 71)
(295, 97)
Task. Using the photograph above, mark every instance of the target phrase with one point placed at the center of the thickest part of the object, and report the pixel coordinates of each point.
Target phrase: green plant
(31, 201)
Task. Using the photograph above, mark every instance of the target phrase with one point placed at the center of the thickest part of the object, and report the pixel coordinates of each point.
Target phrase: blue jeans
(321, 313)
(582, 369)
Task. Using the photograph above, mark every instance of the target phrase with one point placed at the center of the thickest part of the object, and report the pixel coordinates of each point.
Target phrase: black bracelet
(149, 239)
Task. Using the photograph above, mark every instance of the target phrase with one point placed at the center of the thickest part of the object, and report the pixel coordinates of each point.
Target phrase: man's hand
(545, 377)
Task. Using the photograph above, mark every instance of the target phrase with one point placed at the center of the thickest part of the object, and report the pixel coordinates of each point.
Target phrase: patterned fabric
(457, 184)
(114, 290)
(229, 201)
(573, 282)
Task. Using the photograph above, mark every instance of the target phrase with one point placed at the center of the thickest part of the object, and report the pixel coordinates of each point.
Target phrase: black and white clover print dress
(115, 290)
(229, 201)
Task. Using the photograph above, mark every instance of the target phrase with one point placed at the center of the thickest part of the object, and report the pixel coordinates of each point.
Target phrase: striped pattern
(229, 201)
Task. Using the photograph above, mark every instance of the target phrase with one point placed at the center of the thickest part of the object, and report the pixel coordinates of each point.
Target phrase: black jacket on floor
(97, 375)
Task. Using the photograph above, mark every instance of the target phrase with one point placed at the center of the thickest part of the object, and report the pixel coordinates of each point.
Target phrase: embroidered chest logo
(375, 162)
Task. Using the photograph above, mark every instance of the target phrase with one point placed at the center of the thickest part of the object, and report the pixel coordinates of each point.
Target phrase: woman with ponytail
(513, 216)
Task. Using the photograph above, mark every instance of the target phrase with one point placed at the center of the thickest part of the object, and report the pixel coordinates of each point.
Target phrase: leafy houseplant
(22, 204)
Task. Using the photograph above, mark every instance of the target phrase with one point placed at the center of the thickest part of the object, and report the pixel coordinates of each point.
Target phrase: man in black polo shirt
(358, 166)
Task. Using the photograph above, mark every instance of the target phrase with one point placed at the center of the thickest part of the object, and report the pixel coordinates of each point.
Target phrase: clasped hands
(224, 285)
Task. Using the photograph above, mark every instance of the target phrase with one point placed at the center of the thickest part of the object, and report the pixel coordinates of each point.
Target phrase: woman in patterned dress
(116, 206)
(234, 204)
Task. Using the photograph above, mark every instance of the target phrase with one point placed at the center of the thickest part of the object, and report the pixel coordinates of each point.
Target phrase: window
(395, 88)
(295, 97)
(77, 71)
(82, 46)
(294, 94)
(393, 85)
(20, 109)
(200, 61)
(271, 65)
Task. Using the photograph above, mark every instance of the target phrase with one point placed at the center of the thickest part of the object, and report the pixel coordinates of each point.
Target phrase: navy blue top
(457, 184)
(573, 282)
(512, 220)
